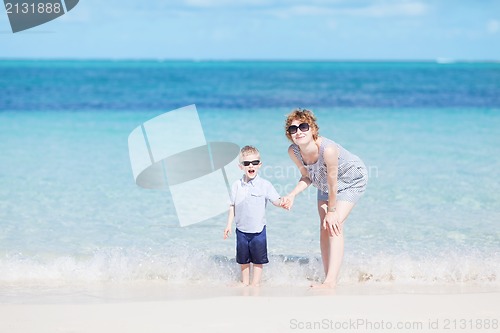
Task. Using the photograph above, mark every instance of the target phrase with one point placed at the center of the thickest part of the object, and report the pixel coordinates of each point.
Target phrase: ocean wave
(188, 267)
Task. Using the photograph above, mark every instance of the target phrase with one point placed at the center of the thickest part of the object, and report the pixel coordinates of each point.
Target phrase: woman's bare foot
(324, 285)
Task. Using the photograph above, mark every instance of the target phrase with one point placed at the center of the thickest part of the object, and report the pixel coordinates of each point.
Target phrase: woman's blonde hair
(304, 116)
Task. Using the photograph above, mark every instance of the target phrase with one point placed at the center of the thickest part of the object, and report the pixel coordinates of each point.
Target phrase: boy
(249, 197)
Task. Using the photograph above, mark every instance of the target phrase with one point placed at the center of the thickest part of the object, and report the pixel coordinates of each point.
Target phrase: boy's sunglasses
(304, 127)
(247, 163)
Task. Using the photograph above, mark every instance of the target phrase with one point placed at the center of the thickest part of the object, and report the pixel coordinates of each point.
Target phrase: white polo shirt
(250, 201)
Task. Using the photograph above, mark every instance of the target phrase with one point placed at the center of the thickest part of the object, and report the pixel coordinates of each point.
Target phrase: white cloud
(363, 9)
(309, 10)
(392, 9)
(279, 8)
(223, 3)
(493, 26)
(332, 25)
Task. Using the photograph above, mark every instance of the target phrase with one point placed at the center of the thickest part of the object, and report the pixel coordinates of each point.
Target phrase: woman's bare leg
(332, 247)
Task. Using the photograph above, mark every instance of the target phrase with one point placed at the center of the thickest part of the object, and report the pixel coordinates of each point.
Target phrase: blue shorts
(322, 196)
(251, 247)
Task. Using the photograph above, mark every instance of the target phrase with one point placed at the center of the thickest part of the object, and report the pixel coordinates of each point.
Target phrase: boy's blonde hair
(248, 150)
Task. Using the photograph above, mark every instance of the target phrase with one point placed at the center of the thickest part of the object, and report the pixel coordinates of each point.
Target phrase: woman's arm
(331, 158)
(304, 181)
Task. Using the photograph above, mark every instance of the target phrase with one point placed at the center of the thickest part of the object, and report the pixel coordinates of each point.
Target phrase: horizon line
(440, 60)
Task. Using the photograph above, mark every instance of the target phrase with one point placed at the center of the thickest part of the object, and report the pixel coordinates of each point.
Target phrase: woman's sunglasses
(304, 127)
(247, 163)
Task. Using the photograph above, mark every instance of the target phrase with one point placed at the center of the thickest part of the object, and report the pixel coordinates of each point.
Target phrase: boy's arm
(231, 212)
(274, 196)
(278, 202)
(230, 218)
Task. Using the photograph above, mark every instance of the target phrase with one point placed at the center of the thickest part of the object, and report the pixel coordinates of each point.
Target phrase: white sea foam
(188, 267)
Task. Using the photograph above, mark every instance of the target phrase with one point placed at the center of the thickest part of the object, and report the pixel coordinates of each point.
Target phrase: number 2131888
(32, 8)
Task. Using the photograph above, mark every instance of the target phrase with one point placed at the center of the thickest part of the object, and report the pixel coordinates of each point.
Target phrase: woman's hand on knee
(332, 224)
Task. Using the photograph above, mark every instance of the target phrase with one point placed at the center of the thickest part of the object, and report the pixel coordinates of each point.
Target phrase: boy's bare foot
(239, 285)
(255, 285)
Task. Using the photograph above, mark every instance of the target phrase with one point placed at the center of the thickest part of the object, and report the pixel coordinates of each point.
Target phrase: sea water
(70, 211)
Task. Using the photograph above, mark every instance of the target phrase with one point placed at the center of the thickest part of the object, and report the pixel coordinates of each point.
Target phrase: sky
(264, 30)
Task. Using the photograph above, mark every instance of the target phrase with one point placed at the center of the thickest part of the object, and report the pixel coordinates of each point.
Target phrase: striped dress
(352, 175)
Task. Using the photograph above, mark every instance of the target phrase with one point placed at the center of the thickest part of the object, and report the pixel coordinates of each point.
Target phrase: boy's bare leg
(245, 274)
(257, 274)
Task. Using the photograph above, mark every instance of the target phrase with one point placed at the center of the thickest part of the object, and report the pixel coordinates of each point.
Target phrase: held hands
(286, 202)
(332, 223)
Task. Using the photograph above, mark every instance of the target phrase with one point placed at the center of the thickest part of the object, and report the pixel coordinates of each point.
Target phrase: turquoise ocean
(71, 213)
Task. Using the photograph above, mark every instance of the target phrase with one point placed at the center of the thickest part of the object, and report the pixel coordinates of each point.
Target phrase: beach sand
(157, 308)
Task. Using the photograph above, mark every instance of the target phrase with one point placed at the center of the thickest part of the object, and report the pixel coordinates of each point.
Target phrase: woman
(341, 180)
